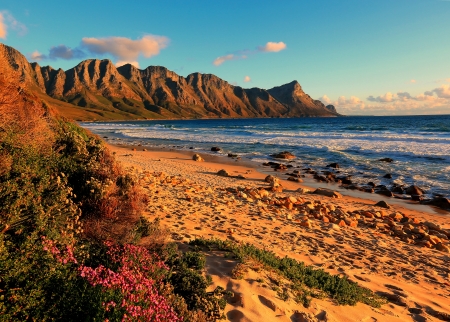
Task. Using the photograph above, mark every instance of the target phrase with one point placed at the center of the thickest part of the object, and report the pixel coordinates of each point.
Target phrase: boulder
(386, 160)
(223, 173)
(440, 202)
(383, 192)
(197, 157)
(327, 192)
(283, 155)
(414, 190)
(216, 149)
(333, 165)
(232, 155)
(295, 179)
(272, 180)
(388, 176)
(382, 204)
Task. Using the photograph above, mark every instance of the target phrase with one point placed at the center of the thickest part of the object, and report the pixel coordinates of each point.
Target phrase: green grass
(305, 281)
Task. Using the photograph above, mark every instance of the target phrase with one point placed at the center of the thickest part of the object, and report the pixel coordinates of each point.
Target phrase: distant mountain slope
(96, 89)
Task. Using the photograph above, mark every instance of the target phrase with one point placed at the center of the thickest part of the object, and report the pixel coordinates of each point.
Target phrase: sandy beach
(402, 252)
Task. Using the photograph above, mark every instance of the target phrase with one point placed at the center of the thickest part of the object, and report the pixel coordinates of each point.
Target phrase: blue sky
(365, 57)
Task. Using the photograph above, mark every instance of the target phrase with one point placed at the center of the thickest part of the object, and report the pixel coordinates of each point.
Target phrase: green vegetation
(73, 243)
(305, 281)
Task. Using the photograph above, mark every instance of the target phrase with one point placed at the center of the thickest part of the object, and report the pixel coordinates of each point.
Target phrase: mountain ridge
(97, 86)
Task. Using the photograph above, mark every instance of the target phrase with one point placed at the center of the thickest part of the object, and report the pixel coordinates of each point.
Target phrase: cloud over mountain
(7, 21)
(2, 27)
(125, 49)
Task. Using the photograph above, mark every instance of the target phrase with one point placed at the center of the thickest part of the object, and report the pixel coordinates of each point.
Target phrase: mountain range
(98, 90)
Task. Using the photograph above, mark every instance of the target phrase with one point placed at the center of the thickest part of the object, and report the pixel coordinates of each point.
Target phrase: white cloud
(273, 46)
(221, 59)
(125, 49)
(325, 100)
(247, 79)
(122, 62)
(3, 28)
(7, 21)
(388, 97)
(435, 101)
(443, 91)
(36, 56)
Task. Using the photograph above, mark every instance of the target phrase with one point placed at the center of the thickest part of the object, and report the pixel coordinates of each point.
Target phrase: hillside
(97, 90)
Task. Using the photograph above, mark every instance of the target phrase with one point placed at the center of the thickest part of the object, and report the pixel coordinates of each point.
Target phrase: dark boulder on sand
(440, 202)
(382, 190)
(223, 173)
(216, 149)
(382, 204)
(414, 190)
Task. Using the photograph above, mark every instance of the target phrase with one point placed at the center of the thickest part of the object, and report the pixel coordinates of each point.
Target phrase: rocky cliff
(97, 86)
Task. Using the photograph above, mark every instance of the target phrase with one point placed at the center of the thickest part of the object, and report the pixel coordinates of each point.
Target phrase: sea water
(419, 145)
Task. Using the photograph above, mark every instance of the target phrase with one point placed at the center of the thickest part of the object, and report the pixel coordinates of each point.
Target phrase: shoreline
(308, 182)
(193, 201)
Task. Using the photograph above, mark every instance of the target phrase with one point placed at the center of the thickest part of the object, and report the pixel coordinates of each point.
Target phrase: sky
(366, 57)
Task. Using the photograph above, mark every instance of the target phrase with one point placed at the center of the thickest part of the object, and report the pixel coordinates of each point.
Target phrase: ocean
(419, 145)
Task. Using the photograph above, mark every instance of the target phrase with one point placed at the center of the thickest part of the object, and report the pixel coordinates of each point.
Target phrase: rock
(341, 223)
(383, 204)
(303, 190)
(223, 173)
(283, 155)
(292, 199)
(388, 176)
(272, 180)
(306, 223)
(414, 190)
(240, 176)
(334, 227)
(302, 317)
(295, 179)
(440, 202)
(383, 192)
(231, 155)
(386, 160)
(333, 165)
(353, 223)
(197, 157)
(216, 149)
(397, 189)
(443, 248)
(281, 167)
(327, 192)
(396, 216)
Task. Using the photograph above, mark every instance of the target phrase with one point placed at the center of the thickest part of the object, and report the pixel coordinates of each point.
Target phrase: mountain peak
(127, 92)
